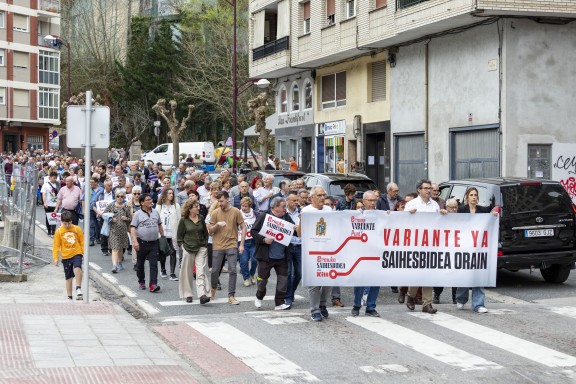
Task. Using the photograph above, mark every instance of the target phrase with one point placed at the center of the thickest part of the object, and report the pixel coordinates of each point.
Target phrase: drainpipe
(426, 107)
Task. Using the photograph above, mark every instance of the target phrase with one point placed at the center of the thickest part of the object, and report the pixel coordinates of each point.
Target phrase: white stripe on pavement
(265, 361)
(564, 311)
(147, 307)
(384, 368)
(95, 266)
(493, 295)
(424, 344)
(509, 343)
(110, 278)
(223, 300)
(127, 291)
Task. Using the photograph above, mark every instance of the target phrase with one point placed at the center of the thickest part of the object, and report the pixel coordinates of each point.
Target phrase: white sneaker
(225, 269)
(481, 310)
(459, 306)
(258, 303)
(281, 307)
(79, 294)
(247, 282)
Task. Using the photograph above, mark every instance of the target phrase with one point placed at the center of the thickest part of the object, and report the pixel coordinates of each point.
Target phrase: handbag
(163, 247)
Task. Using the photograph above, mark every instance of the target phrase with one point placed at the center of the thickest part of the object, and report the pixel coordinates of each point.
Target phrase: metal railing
(281, 44)
(49, 5)
(18, 219)
(400, 4)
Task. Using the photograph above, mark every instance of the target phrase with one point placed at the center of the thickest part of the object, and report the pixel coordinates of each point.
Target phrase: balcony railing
(407, 3)
(49, 5)
(281, 44)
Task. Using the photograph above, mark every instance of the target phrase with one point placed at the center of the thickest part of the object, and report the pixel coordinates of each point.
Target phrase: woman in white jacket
(170, 214)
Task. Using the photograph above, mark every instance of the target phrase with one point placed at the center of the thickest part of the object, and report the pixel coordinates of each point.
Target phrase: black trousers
(148, 250)
(281, 268)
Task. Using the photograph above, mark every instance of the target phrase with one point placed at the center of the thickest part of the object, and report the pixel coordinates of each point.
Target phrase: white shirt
(310, 208)
(421, 206)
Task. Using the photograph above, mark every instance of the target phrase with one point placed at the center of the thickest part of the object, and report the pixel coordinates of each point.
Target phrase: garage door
(474, 152)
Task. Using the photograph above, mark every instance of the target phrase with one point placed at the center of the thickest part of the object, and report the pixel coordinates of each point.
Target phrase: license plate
(538, 232)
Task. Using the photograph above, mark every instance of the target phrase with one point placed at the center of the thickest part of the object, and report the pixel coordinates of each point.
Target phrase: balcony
(270, 48)
(400, 4)
(49, 6)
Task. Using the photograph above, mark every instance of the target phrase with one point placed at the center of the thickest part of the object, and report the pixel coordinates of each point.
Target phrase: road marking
(267, 362)
(424, 344)
(508, 343)
(223, 300)
(285, 320)
(127, 291)
(95, 266)
(147, 307)
(564, 311)
(503, 298)
(384, 368)
(110, 278)
(494, 311)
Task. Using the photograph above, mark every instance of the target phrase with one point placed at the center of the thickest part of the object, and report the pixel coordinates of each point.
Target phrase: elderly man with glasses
(387, 202)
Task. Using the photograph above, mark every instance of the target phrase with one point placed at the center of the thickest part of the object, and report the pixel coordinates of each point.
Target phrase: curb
(13, 278)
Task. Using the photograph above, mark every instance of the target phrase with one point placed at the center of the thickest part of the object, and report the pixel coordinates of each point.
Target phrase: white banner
(374, 248)
(277, 229)
(101, 205)
(249, 223)
(53, 218)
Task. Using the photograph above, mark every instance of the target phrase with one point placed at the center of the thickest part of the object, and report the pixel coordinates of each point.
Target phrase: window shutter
(21, 59)
(20, 22)
(327, 88)
(330, 7)
(381, 3)
(341, 86)
(350, 11)
(258, 29)
(283, 101)
(379, 81)
(307, 11)
(21, 98)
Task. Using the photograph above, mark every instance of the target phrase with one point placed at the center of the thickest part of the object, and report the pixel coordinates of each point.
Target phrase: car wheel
(556, 273)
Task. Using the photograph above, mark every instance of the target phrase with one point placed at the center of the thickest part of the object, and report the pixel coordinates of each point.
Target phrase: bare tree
(257, 111)
(129, 122)
(169, 115)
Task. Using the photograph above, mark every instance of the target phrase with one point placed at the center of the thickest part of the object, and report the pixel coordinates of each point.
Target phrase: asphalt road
(526, 337)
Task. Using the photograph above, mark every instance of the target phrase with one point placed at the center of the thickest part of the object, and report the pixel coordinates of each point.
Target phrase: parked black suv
(537, 222)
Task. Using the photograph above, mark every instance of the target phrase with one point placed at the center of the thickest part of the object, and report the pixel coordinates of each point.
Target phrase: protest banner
(53, 218)
(114, 180)
(376, 248)
(249, 223)
(102, 204)
(277, 229)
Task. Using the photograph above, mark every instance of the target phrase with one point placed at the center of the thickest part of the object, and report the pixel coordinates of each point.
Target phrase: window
(350, 6)
(20, 22)
(2, 19)
(330, 12)
(48, 103)
(379, 81)
(161, 149)
(308, 95)
(295, 97)
(306, 18)
(539, 161)
(21, 59)
(2, 96)
(49, 67)
(283, 100)
(380, 4)
(334, 90)
(21, 98)
(293, 150)
(2, 55)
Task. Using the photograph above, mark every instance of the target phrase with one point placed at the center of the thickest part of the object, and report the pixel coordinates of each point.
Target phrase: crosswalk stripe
(223, 300)
(127, 291)
(95, 266)
(147, 307)
(509, 343)
(265, 361)
(426, 345)
(564, 311)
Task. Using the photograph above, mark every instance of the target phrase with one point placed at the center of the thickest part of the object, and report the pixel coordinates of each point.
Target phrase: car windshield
(337, 186)
(543, 198)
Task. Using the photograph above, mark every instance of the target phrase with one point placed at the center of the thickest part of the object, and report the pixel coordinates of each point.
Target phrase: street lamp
(58, 42)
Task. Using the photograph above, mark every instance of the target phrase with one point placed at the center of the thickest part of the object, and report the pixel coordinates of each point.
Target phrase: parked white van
(163, 153)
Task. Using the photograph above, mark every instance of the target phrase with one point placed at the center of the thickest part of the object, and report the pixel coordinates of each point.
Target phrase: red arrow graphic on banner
(363, 238)
(334, 274)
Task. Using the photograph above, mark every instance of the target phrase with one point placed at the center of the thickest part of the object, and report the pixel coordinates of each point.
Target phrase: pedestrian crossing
(453, 342)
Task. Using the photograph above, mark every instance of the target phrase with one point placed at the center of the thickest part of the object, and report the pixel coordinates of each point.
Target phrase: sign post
(87, 138)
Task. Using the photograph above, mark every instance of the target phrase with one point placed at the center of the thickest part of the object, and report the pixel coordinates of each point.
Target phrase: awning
(271, 123)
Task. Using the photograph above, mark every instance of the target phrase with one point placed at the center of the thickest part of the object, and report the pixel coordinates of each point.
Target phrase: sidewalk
(46, 338)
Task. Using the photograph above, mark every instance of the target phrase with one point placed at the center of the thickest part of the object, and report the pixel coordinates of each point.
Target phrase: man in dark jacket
(272, 255)
(387, 202)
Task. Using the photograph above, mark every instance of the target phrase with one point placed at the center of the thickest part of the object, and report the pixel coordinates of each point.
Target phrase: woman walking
(192, 236)
(248, 256)
(169, 212)
(118, 240)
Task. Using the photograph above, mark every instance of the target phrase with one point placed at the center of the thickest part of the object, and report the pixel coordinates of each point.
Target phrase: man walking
(68, 199)
(224, 223)
(295, 259)
(272, 255)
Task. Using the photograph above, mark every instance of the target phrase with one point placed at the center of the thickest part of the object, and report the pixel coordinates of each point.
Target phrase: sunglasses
(136, 193)
(121, 196)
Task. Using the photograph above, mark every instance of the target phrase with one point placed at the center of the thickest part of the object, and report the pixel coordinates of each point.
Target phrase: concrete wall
(540, 81)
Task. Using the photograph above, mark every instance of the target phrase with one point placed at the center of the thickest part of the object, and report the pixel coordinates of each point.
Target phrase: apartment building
(29, 73)
(437, 88)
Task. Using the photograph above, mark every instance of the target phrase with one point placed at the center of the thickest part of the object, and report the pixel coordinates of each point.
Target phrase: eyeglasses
(135, 193)
(321, 195)
(435, 190)
(122, 196)
(426, 188)
(395, 190)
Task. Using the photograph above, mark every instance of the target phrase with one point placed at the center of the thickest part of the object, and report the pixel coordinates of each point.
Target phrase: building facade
(464, 88)
(29, 73)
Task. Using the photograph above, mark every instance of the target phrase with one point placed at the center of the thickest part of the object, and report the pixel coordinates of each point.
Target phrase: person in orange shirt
(69, 242)
(293, 164)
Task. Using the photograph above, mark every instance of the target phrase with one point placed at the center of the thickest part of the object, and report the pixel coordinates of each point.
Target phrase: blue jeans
(294, 272)
(94, 227)
(370, 301)
(245, 257)
(477, 296)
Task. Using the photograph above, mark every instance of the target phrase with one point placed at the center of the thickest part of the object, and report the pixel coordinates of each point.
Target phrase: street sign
(157, 131)
(54, 134)
(76, 126)
(50, 136)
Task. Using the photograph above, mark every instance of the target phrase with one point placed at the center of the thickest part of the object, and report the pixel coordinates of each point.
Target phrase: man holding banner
(272, 233)
(423, 203)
